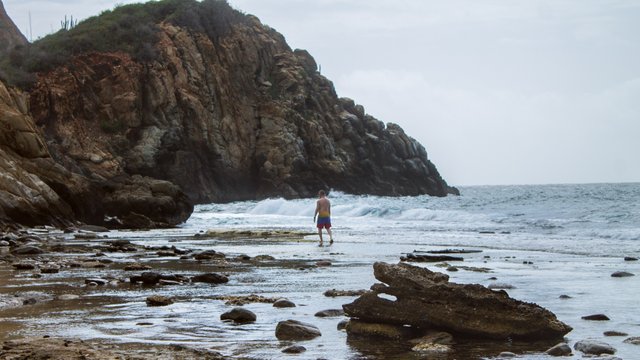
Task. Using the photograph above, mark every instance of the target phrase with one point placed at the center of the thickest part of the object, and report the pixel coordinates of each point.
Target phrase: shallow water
(575, 236)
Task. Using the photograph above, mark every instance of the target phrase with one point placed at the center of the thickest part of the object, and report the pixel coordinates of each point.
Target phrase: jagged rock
(211, 278)
(267, 123)
(592, 347)
(239, 315)
(425, 299)
(296, 330)
(158, 300)
(561, 349)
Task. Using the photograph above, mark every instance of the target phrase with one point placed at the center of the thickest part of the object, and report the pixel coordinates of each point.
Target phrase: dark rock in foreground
(425, 299)
(296, 330)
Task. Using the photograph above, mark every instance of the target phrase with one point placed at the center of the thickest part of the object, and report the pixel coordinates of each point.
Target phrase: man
(323, 211)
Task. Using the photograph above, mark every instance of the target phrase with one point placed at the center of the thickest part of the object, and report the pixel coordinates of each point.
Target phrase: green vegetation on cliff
(129, 28)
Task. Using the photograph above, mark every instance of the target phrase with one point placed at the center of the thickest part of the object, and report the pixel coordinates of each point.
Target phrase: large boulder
(426, 299)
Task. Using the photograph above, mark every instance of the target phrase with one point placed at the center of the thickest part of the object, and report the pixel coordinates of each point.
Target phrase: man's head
(321, 193)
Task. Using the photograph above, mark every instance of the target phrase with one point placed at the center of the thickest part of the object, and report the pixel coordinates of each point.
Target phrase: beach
(556, 246)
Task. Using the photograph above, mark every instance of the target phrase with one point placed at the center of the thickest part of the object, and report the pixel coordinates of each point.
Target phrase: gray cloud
(521, 91)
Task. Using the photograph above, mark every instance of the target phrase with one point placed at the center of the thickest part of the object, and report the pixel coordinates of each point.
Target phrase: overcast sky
(498, 92)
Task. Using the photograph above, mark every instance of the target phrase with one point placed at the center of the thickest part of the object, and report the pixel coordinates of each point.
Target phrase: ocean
(543, 241)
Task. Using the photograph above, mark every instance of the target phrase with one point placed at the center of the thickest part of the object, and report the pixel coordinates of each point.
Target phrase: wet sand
(47, 307)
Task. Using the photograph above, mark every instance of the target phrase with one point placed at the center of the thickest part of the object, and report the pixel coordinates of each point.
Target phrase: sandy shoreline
(71, 303)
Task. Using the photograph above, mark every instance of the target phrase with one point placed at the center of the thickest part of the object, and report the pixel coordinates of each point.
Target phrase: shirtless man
(323, 211)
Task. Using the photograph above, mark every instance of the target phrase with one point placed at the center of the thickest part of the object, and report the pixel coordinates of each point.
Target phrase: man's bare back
(323, 212)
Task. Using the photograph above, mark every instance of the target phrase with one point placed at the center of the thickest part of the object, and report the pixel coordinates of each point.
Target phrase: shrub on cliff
(127, 28)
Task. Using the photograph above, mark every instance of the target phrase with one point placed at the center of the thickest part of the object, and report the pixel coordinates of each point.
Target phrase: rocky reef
(231, 116)
(423, 299)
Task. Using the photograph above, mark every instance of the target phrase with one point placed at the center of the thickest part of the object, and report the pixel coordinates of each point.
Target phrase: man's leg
(330, 236)
(320, 233)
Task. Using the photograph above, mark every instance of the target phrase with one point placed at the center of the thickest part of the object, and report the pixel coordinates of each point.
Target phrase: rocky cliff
(229, 117)
(36, 190)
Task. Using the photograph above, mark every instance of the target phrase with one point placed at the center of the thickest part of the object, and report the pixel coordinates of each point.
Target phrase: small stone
(615, 333)
(239, 315)
(29, 301)
(452, 268)
(24, 265)
(283, 303)
(295, 349)
(165, 253)
(322, 263)
(150, 277)
(67, 297)
(4, 243)
(506, 354)
(635, 340)
(592, 347)
(564, 297)
(137, 267)
(619, 274)
(51, 269)
(596, 317)
(342, 325)
(561, 349)
(296, 330)
(158, 300)
(431, 348)
(629, 258)
(27, 250)
(97, 281)
(330, 313)
(210, 278)
(86, 236)
(500, 286)
(335, 293)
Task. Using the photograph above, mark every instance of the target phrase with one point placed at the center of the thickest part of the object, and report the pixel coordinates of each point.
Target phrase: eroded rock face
(35, 189)
(425, 299)
(239, 117)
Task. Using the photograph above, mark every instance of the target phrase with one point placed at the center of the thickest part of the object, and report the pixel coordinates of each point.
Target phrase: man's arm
(317, 210)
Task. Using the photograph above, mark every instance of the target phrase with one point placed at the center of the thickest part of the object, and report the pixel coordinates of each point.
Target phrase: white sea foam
(599, 219)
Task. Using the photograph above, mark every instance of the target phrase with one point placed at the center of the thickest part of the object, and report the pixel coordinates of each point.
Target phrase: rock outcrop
(36, 190)
(111, 139)
(426, 300)
(237, 117)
